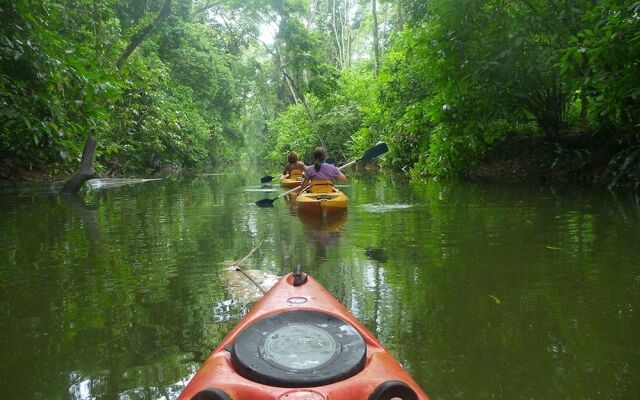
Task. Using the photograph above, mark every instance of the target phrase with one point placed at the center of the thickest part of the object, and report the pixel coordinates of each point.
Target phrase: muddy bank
(577, 157)
(10, 172)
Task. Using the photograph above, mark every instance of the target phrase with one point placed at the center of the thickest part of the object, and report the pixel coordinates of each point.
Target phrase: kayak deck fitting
(299, 343)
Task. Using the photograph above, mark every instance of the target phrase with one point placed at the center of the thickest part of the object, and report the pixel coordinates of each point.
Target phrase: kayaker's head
(292, 158)
(319, 154)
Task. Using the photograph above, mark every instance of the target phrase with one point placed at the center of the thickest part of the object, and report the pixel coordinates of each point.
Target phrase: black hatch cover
(299, 349)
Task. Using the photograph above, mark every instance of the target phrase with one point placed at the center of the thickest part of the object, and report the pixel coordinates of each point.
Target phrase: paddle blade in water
(266, 202)
(375, 151)
(266, 179)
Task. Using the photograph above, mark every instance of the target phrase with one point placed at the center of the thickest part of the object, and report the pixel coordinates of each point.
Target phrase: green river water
(480, 291)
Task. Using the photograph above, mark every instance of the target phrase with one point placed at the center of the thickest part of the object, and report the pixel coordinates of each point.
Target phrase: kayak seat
(393, 390)
(295, 174)
(211, 394)
(321, 186)
(298, 349)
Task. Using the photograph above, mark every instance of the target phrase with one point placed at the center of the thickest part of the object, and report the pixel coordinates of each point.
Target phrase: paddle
(370, 154)
(266, 179)
(269, 202)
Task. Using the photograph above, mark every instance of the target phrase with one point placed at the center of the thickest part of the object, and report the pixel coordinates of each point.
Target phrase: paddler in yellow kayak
(294, 167)
(321, 196)
(321, 170)
(292, 175)
(293, 164)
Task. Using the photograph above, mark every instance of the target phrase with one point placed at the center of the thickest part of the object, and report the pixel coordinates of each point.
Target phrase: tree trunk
(376, 45)
(584, 98)
(584, 106)
(292, 87)
(400, 18)
(334, 25)
(141, 35)
(85, 171)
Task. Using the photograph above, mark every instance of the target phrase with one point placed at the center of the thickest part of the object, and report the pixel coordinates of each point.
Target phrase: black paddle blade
(330, 160)
(266, 202)
(375, 151)
(266, 179)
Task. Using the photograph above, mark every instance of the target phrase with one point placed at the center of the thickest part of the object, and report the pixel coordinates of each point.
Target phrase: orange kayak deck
(289, 183)
(380, 378)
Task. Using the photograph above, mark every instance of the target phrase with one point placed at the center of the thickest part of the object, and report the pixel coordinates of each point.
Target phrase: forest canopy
(449, 85)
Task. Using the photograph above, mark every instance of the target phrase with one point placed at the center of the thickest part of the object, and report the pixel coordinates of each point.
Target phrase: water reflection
(88, 215)
(290, 200)
(323, 231)
(262, 189)
(381, 208)
(110, 183)
(83, 388)
(480, 291)
(246, 285)
(375, 254)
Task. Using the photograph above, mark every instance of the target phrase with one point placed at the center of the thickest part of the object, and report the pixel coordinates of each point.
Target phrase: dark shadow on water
(86, 213)
(375, 254)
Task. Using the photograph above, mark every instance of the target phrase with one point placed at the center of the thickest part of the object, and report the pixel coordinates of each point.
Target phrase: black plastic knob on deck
(299, 278)
(211, 394)
(393, 389)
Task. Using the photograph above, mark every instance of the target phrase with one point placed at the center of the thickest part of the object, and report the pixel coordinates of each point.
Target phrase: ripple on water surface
(260, 189)
(382, 208)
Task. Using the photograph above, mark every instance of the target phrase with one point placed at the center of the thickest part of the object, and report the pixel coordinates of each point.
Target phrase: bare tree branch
(143, 33)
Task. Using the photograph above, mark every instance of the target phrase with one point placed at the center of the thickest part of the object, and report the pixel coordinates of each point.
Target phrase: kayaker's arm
(342, 177)
(305, 182)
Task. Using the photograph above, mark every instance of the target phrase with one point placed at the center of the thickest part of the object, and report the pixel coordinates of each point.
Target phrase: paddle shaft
(288, 191)
(350, 163)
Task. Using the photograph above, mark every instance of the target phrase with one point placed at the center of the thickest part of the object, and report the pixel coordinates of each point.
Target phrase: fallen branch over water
(236, 267)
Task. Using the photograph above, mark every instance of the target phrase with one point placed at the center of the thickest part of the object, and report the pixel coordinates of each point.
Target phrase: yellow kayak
(292, 180)
(322, 196)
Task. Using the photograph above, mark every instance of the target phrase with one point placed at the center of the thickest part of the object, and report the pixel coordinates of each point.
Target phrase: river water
(480, 291)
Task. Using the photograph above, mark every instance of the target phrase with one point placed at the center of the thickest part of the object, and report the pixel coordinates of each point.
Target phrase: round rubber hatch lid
(299, 349)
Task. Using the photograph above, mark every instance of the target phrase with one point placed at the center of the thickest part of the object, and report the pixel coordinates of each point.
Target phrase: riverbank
(576, 157)
(572, 157)
(9, 172)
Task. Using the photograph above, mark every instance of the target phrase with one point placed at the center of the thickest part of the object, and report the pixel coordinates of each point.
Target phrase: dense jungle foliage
(160, 86)
(451, 86)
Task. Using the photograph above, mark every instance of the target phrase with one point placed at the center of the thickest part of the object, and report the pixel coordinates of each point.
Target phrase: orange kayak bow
(299, 343)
